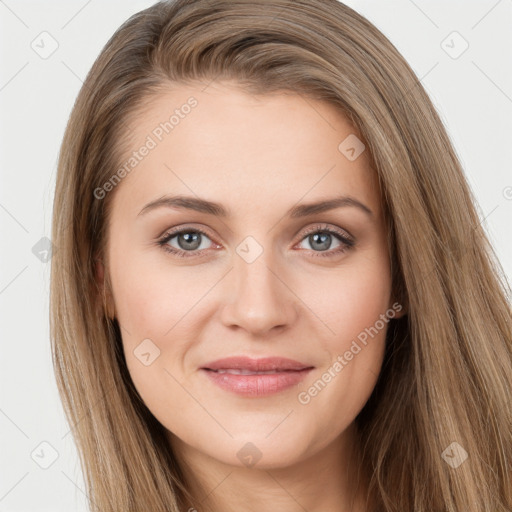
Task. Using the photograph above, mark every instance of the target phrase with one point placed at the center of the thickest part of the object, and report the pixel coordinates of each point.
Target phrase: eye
(190, 242)
(320, 238)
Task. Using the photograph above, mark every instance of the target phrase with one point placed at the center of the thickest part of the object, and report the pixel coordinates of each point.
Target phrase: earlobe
(399, 309)
(401, 313)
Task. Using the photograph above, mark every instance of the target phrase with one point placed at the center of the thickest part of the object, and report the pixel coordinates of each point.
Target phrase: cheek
(158, 310)
(152, 298)
(347, 300)
(351, 326)
(153, 310)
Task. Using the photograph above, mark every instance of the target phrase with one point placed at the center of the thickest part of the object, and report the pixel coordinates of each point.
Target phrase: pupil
(191, 240)
(324, 238)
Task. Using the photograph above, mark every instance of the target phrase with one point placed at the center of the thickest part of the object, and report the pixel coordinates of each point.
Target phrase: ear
(398, 308)
(106, 300)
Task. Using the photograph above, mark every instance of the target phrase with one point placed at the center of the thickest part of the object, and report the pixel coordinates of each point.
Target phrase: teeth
(246, 372)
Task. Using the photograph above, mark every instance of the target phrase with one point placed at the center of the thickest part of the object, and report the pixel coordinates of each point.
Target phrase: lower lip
(257, 385)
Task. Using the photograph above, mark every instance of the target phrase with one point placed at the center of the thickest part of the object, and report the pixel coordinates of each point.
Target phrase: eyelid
(171, 233)
(185, 228)
(343, 236)
(311, 229)
(343, 233)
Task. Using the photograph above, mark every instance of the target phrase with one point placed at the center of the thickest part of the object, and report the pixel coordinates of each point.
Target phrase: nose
(258, 300)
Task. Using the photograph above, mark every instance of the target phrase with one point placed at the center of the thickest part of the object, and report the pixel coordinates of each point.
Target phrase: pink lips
(256, 377)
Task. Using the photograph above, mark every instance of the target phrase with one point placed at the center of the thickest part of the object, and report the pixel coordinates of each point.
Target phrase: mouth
(256, 377)
(234, 371)
(262, 365)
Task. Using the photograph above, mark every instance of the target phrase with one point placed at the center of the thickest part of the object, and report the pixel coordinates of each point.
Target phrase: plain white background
(472, 90)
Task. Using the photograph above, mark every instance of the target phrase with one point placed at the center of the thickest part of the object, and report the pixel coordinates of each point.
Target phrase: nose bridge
(257, 299)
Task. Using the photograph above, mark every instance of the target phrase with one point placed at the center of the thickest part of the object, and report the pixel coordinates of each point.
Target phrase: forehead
(222, 143)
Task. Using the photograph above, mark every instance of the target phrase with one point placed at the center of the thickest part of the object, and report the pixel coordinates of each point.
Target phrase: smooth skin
(258, 156)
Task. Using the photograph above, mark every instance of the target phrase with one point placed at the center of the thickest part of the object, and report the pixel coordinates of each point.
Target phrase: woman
(209, 353)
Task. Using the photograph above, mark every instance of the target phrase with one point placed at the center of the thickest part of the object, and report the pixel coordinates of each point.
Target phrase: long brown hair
(447, 370)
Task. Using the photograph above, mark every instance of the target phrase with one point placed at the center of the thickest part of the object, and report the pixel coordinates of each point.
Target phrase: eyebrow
(216, 209)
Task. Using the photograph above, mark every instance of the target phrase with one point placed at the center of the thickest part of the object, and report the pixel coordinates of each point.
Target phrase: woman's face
(263, 274)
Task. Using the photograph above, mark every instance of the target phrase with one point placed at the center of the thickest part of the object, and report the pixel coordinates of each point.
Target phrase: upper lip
(255, 365)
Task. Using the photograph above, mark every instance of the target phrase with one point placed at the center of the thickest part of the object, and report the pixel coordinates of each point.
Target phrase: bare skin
(258, 156)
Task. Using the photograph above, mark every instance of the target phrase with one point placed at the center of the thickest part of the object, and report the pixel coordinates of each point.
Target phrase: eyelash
(347, 243)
